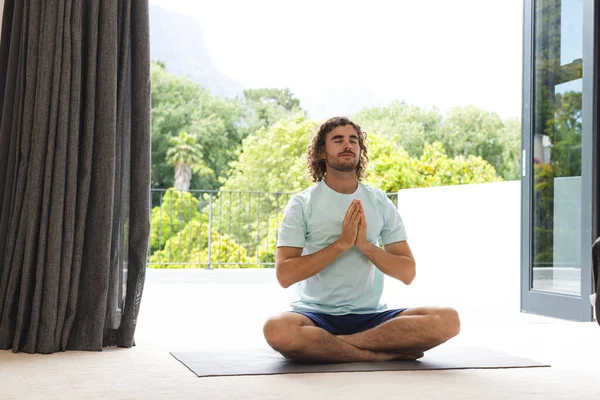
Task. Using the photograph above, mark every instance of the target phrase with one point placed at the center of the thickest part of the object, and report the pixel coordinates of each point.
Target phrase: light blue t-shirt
(351, 284)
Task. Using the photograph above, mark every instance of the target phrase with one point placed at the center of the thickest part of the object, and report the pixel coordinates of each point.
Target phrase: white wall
(466, 241)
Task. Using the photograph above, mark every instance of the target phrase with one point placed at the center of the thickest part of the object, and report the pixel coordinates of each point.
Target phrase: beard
(342, 164)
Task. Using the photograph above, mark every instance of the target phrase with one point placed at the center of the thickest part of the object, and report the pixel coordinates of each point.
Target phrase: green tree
(543, 193)
(266, 106)
(268, 245)
(184, 155)
(247, 211)
(218, 129)
(470, 131)
(176, 209)
(271, 161)
(564, 130)
(179, 104)
(437, 169)
(510, 167)
(409, 126)
(274, 160)
(279, 97)
(392, 168)
(463, 131)
(271, 167)
(189, 249)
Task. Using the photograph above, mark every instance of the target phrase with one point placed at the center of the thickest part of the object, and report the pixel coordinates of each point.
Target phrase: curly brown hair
(314, 155)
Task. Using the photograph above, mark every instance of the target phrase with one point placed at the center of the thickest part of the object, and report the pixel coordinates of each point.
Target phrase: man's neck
(345, 183)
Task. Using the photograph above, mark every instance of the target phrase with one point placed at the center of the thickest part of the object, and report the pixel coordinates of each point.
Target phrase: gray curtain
(596, 275)
(74, 172)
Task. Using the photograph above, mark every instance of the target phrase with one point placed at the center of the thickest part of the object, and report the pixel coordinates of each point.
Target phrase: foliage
(185, 155)
(168, 219)
(509, 166)
(268, 245)
(266, 106)
(253, 151)
(271, 167)
(564, 130)
(390, 166)
(274, 160)
(179, 104)
(543, 190)
(189, 249)
(464, 131)
(473, 131)
(408, 126)
(437, 169)
(393, 169)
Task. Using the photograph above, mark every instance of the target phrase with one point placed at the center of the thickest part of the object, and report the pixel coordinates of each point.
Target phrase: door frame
(563, 306)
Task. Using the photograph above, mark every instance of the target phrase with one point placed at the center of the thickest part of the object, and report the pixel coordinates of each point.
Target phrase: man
(328, 247)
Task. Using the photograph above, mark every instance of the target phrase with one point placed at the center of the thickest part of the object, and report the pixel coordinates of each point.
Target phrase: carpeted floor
(181, 316)
(144, 373)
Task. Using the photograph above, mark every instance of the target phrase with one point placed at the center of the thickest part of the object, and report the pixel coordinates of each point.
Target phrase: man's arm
(291, 266)
(395, 259)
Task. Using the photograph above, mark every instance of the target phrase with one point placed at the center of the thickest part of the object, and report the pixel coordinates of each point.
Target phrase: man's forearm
(400, 267)
(300, 268)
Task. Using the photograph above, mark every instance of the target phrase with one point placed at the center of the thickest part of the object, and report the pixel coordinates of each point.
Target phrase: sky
(441, 53)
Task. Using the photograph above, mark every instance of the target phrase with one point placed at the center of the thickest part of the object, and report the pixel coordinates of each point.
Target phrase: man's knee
(280, 334)
(449, 322)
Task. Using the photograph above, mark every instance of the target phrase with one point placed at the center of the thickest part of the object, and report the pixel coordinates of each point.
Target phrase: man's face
(342, 150)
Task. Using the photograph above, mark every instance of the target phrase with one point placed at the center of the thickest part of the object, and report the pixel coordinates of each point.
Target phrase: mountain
(177, 40)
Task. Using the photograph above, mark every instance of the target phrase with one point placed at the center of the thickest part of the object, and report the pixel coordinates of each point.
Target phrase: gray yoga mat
(268, 362)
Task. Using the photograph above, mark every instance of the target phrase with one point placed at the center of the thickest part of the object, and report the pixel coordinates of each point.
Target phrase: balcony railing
(216, 229)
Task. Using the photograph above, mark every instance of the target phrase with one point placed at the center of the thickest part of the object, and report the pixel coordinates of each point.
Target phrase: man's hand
(361, 238)
(350, 225)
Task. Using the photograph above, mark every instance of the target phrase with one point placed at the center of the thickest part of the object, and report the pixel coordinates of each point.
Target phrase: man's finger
(356, 211)
(362, 221)
(353, 210)
(349, 210)
(351, 207)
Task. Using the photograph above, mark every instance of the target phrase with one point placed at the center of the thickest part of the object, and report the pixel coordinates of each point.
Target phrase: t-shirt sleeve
(393, 228)
(292, 231)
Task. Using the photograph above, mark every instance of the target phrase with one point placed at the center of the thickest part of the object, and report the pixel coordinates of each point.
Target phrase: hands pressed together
(354, 227)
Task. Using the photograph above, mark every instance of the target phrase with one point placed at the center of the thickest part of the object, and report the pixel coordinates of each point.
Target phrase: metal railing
(216, 229)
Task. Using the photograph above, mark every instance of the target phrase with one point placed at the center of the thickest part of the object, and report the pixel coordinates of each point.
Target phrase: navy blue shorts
(350, 323)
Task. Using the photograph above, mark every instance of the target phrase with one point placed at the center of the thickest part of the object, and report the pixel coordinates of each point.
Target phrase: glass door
(557, 137)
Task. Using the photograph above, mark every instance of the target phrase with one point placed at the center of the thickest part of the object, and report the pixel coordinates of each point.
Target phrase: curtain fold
(74, 173)
(596, 275)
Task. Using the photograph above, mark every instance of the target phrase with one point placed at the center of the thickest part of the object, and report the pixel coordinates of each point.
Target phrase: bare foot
(398, 357)
(361, 356)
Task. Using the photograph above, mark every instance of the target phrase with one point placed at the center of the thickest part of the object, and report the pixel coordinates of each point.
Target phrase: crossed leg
(297, 338)
(406, 336)
(415, 330)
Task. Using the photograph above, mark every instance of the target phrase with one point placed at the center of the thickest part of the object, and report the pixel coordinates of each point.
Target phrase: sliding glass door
(558, 157)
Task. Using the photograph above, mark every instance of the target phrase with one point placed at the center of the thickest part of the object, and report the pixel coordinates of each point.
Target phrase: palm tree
(184, 153)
